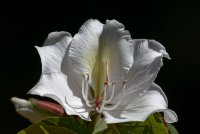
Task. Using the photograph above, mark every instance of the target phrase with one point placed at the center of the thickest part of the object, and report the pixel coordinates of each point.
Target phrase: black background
(175, 24)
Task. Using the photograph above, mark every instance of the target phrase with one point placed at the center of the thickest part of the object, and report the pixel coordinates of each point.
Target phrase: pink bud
(49, 106)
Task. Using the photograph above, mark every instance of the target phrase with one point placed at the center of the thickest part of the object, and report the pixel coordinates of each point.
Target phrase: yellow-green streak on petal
(99, 75)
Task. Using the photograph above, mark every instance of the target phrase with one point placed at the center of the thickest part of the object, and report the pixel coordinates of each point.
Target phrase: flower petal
(139, 109)
(81, 55)
(55, 86)
(53, 83)
(147, 62)
(115, 50)
(154, 87)
(83, 49)
(53, 50)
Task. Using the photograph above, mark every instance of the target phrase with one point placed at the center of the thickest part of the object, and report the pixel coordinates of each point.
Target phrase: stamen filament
(74, 106)
(85, 90)
(113, 88)
(104, 99)
(118, 103)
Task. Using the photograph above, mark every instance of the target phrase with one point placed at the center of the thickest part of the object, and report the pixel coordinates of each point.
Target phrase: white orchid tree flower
(102, 69)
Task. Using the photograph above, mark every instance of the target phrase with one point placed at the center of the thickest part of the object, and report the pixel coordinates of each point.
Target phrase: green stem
(94, 117)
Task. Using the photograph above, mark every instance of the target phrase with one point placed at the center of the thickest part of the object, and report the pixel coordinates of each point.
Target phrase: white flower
(101, 68)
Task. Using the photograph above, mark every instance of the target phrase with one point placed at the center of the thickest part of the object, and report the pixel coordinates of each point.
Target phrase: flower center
(102, 102)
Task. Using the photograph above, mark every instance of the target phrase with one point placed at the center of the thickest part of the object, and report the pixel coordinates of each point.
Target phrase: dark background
(175, 24)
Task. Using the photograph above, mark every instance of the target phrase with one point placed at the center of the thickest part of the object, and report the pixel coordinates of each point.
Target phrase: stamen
(83, 87)
(113, 88)
(85, 90)
(99, 110)
(120, 99)
(74, 106)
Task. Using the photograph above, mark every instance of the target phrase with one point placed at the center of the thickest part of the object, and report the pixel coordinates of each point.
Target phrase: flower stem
(94, 117)
(97, 125)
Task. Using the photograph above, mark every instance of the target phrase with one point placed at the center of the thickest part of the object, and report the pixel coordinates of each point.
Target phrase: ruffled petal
(140, 108)
(55, 86)
(81, 56)
(83, 49)
(53, 50)
(147, 62)
(115, 50)
(53, 83)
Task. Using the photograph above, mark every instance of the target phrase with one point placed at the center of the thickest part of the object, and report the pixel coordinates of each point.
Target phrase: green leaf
(56, 125)
(153, 125)
(172, 129)
(45, 129)
(72, 125)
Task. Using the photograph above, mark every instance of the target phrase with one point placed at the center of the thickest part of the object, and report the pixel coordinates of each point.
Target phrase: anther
(86, 76)
(125, 82)
(113, 83)
(105, 83)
